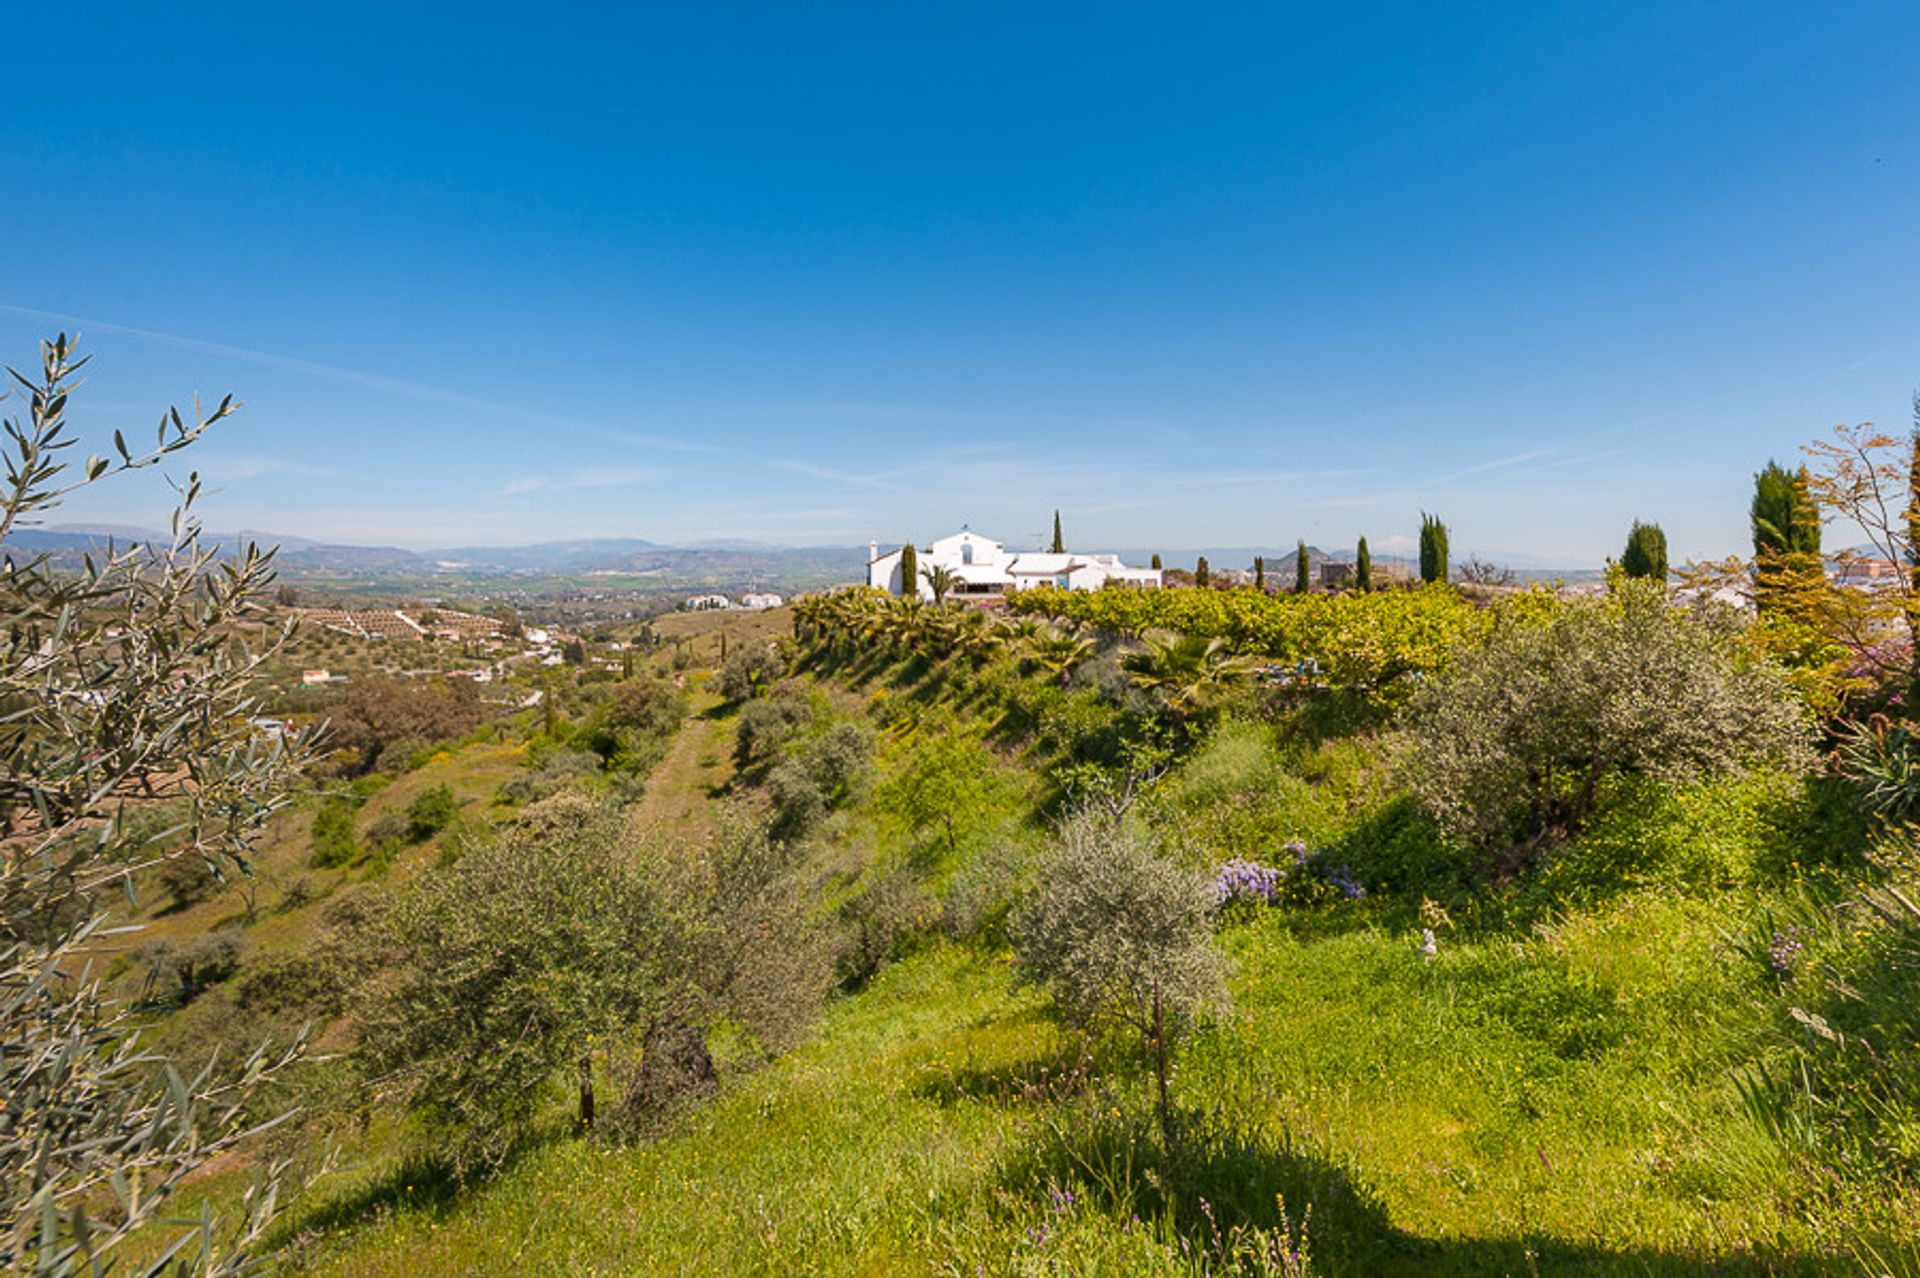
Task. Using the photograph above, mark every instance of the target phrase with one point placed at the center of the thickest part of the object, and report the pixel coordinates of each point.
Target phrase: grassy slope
(1556, 1099)
(1429, 1137)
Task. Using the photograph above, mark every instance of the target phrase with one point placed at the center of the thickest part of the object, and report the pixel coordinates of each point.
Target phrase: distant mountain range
(713, 563)
(710, 563)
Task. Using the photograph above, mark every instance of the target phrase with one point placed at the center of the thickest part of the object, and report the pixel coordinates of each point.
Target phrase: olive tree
(1516, 741)
(1121, 936)
(553, 944)
(125, 685)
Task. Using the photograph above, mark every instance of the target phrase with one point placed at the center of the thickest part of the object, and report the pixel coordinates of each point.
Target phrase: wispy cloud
(367, 381)
(237, 467)
(586, 477)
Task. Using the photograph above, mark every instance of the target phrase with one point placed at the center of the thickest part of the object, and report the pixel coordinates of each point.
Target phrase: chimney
(873, 551)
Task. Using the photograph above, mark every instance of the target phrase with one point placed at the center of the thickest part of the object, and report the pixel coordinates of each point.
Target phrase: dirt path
(680, 792)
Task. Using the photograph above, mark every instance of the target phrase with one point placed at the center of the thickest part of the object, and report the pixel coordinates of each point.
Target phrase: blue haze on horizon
(1220, 275)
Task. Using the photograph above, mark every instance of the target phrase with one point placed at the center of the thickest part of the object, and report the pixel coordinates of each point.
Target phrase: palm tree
(941, 580)
(1058, 653)
(1187, 673)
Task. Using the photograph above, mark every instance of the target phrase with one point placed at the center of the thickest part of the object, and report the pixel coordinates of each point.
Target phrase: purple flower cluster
(1241, 880)
(1783, 956)
(1341, 878)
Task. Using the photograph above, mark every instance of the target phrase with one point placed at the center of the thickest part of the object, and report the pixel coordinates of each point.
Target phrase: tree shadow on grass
(1231, 1182)
(423, 1182)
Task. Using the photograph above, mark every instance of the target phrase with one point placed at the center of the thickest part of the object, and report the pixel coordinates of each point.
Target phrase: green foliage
(1433, 549)
(767, 723)
(1059, 543)
(946, 783)
(1302, 570)
(1119, 935)
(1155, 563)
(431, 811)
(505, 968)
(179, 972)
(1202, 576)
(126, 677)
(749, 670)
(1518, 742)
(1260, 573)
(825, 774)
(909, 569)
(378, 711)
(334, 843)
(1784, 518)
(1372, 644)
(1186, 673)
(1363, 568)
(188, 879)
(651, 706)
(1882, 757)
(1646, 552)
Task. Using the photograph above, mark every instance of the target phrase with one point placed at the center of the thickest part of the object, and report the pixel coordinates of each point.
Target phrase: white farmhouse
(982, 566)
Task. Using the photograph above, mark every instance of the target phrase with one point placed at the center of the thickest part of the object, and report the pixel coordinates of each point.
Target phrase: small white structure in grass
(982, 566)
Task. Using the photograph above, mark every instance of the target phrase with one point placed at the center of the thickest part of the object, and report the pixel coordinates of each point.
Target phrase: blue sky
(1196, 275)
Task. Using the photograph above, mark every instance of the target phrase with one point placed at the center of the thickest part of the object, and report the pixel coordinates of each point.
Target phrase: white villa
(984, 567)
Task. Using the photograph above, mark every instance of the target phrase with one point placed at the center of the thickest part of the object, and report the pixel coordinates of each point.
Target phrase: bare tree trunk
(586, 1092)
(1167, 1135)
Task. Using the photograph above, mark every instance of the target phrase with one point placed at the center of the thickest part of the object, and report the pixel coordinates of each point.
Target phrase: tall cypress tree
(1302, 568)
(1433, 549)
(1059, 542)
(1260, 573)
(1786, 533)
(1363, 568)
(1646, 552)
(1201, 577)
(1784, 518)
(909, 570)
(1156, 563)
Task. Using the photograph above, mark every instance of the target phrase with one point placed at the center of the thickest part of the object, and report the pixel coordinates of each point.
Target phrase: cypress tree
(1433, 549)
(1646, 552)
(1302, 569)
(1363, 568)
(1201, 577)
(909, 570)
(1059, 542)
(1784, 519)
(1260, 573)
(1156, 563)
(1786, 531)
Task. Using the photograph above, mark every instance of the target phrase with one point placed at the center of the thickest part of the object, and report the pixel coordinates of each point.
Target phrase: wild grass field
(1610, 1062)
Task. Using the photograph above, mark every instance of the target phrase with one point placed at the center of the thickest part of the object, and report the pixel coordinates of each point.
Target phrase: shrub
(177, 973)
(333, 840)
(1119, 935)
(651, 707)
(767, 723)
(798, 804)
(839, 759)
(882, 922)
(1518, 742)
(188, 878)
(401, 756)
(749, 669)
(431, 812)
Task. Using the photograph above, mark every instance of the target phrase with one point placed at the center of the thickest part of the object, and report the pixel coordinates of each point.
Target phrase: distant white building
(708, 603)
(761, 601)
(982, 566)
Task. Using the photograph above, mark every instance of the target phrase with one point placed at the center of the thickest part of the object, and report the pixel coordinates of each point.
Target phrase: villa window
(966, 552)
